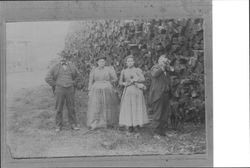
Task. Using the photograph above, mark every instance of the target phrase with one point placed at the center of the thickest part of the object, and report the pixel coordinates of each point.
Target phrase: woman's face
(101, 62)
(130, 62)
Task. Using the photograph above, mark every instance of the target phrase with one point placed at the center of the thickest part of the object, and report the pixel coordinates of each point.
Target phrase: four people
(103, 105)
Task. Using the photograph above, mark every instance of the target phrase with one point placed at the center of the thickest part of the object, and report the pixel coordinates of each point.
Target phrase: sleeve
(140, 75)
(121, 80)
(113, 74)
(91, 78)
(156, 71)
(50, 77)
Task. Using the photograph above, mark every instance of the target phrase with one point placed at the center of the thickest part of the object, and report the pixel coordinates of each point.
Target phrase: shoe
(137, 135)
(74, 127)
(58, 129)
(130, 129)
(121, 128)
(160, 133)
(110, 126)
(137, 128)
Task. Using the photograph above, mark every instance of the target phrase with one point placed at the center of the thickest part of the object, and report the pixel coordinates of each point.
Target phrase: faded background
(32, 45)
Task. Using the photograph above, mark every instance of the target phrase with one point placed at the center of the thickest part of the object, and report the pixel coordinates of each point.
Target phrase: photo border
(27, 11)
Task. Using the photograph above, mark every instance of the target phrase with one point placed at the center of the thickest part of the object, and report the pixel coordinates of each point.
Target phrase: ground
(30, 128)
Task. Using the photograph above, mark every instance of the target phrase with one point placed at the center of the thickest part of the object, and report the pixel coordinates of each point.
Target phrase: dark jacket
(160, 83)
(53, 74)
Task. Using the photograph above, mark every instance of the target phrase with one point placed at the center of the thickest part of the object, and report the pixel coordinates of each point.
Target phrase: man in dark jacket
(159, 94)
(62, 78)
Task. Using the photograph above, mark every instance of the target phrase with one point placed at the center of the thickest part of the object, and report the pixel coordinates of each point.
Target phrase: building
(19, 54)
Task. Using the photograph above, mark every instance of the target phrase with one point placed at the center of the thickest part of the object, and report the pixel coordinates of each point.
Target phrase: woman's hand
(134, 79)
(127, 83)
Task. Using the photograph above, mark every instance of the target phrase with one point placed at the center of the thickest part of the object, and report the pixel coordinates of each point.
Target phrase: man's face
(63, 60)
(162, 60)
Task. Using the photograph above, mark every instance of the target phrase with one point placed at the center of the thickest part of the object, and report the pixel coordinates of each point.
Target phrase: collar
(131, 67)
(64, 63)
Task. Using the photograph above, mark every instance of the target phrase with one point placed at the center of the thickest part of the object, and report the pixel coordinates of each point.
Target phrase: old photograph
(106, 87)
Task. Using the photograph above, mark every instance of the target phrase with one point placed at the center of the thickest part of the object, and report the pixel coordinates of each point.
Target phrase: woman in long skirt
(133, 112)
(103, 109)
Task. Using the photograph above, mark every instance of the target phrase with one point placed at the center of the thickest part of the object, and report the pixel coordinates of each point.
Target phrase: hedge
(180, 39)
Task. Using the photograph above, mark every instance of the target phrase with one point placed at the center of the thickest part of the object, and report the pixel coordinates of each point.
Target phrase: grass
(31, 132)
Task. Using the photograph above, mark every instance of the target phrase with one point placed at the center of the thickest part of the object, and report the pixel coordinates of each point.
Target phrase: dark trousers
(161, 111)
(65, 94)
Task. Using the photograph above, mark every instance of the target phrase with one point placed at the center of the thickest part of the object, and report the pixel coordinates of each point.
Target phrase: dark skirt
(160, 110)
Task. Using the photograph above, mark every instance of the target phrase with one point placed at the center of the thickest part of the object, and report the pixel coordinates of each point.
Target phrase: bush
(180, 39)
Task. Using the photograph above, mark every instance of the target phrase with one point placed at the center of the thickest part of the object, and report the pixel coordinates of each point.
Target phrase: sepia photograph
(107, 87)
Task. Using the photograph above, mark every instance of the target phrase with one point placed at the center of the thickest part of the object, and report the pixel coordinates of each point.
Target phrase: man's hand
(163, 67)
(171, 68)
(168, 67)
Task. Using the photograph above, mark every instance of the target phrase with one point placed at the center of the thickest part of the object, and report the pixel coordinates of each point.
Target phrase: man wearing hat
(159, 94)
(62, 77)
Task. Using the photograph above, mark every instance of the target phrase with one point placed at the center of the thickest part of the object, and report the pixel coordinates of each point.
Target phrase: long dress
(133, 110)
(103, 109)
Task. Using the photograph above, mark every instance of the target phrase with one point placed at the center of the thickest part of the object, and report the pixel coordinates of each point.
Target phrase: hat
(129, 56)
(101, 57)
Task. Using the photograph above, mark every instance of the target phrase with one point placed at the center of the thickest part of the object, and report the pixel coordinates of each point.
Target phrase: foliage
(180, 39)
